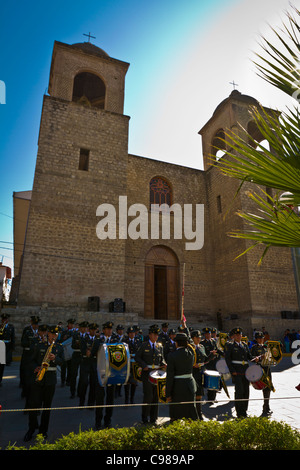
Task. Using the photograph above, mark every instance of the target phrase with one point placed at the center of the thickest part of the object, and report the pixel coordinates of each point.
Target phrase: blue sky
(183, 54)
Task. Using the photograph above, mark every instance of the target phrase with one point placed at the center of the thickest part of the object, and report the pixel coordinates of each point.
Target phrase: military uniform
(133, 345)
(42, 392)
(88, 366)
(259, 350)
(76, 356)
(107, 391)
(210, 345)
(237, 355)
(150, 356)
(180, 383)
(29, 334)
(67, 333)
(170, 344)
(7, 335)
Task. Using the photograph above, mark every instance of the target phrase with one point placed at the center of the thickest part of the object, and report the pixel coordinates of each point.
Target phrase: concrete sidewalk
(284, 402)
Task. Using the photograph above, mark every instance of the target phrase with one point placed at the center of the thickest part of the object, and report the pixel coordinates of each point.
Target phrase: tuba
(45, 364)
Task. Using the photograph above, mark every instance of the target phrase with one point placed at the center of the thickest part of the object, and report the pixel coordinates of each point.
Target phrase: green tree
(275, 221)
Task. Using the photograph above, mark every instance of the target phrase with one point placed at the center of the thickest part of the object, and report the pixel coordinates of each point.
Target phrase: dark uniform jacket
(40, 349)
(146, 356)
(237, 356)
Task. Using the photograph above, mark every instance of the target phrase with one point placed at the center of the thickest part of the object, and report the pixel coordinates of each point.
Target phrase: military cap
(180, 336)
(35, 318)
(259, 334)
(206, 330)
(236, 331)
(131, 329)
(120, 327)
(93, 326)
(71, 320)
(172, 331)
(83, 324)
(196, 333)
(164, 325)
(53, 329)
(214, 330)
(108, 324)
(154, 329)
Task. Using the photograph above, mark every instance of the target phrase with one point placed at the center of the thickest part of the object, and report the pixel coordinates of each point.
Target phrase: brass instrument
(45, 364)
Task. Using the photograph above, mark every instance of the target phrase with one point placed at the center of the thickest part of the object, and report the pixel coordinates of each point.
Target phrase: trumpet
(45, 364)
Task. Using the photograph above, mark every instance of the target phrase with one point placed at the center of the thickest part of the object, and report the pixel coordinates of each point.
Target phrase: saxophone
(45, 364)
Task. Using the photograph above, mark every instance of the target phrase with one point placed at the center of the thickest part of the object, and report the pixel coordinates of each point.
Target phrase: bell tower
(81, 163)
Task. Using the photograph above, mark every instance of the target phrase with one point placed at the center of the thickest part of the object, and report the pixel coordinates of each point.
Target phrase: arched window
(89, 89)
(218, 145)
(160, 191)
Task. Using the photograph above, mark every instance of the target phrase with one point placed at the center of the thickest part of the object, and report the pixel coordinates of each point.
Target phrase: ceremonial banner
(275, 350)
(161, 390)
(136, 371)
(222, 340)
(117, 356)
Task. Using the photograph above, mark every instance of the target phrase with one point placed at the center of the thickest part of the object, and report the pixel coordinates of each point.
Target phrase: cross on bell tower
(233, 84)
(89, 36)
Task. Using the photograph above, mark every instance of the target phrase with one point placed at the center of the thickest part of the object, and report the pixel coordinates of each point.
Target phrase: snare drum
(113, 364)
(159, 378)
(222, 368)
(155, 375)
(212, 380)
(255, 374)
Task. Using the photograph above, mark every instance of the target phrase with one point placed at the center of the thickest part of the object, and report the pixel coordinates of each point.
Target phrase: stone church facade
(83, 163)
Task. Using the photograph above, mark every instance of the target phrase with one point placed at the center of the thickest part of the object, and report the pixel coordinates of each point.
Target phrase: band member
(170, 344)
(29, 333)
(260, 349)
(7, 335)
(133, 345)
(210, 346)
(108, 391)
(201, 359)
(88, 366)
(163, 336)
(76, 355)
(120, 333)
(46, 357)
(237, 355)
(180, 383)
(150, 356)
(67, 333)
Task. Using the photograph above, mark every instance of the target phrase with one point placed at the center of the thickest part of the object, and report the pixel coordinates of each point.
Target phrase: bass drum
(113, 364)
(222, 368)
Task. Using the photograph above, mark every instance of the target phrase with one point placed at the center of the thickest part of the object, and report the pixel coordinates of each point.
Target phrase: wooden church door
(161, 284)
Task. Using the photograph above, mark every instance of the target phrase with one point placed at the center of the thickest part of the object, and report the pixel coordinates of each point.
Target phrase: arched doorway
(161, 284)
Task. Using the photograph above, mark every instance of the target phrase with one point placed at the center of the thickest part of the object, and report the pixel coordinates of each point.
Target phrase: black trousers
(40, 396)
(241, 387)
(101, 393)
(150, 397)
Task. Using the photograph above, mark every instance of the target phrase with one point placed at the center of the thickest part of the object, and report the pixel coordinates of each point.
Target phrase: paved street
(285, 403)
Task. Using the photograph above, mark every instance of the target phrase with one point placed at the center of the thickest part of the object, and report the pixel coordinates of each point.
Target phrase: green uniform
(181, 385)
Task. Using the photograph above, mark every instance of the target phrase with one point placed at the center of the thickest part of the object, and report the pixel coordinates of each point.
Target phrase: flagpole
(182, 295)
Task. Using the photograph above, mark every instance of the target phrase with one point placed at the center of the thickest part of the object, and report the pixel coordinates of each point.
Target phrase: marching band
(172, 367)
